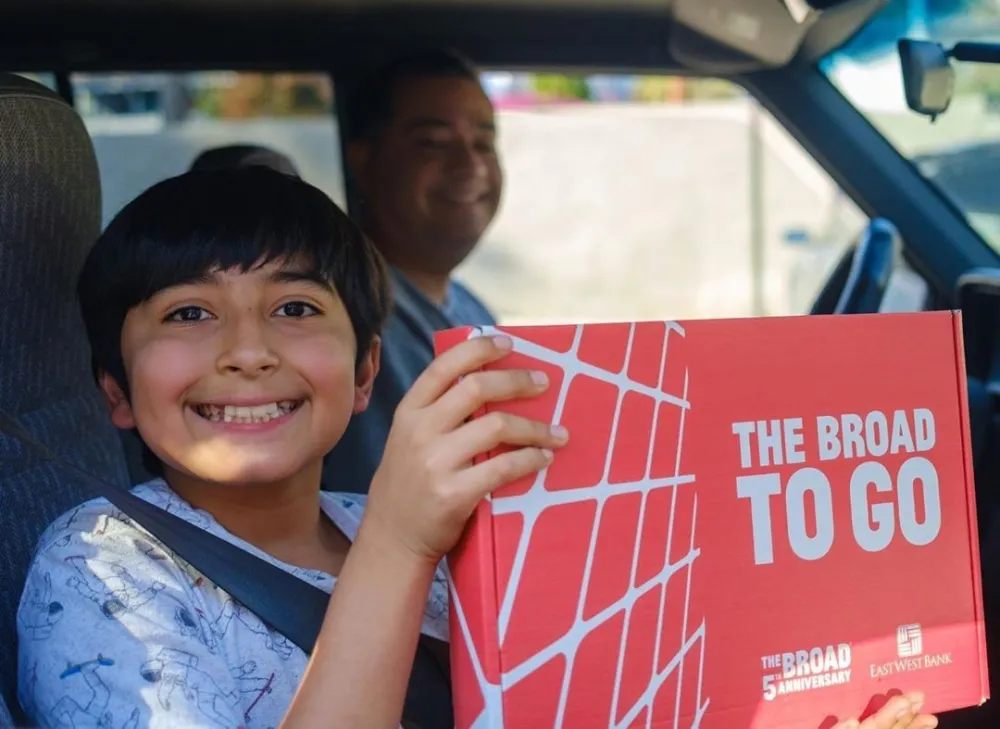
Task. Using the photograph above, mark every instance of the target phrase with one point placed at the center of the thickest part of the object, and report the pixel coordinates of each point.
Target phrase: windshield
(960, 152)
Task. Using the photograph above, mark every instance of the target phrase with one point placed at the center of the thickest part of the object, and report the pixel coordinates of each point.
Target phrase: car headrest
(50, 215)
(244, 155)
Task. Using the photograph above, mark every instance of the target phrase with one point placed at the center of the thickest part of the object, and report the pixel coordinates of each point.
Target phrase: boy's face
(243, 378)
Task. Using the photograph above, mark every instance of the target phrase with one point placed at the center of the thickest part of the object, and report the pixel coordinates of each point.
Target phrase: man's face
(244, 378)
(430, 180)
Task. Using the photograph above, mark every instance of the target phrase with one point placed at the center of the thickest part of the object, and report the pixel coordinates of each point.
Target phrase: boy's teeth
(256, 414)
(242, 414)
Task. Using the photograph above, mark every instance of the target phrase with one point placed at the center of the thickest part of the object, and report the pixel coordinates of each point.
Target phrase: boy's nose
(247, 350)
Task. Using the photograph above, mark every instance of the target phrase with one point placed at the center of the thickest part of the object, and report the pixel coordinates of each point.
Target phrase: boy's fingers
(916, 699)
(495, 429)
(460, 360)
(914, 719)
(476, 390)
(898, 713)
(484, 478)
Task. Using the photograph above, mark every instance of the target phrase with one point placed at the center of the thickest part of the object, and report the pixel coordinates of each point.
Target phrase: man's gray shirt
(407, 349)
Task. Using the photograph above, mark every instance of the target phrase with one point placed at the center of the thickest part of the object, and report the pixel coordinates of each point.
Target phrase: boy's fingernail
(503, 342)
(547, 455)
(560, 432)
(539, 378)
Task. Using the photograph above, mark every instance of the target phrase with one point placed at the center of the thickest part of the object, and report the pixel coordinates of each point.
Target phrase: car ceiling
(613, 35)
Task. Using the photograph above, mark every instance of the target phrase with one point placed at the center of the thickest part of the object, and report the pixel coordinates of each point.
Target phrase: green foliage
(558, 87)
(710, 89)
(978, 79)
(267, 95)
(207, 102)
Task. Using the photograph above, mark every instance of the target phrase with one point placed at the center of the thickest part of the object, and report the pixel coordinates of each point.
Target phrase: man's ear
(117, 402)
(364, 379)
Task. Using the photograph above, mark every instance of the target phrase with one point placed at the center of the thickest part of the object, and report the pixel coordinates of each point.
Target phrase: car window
(147, 127)
(44, 78)
(650, 197)
(959, 152)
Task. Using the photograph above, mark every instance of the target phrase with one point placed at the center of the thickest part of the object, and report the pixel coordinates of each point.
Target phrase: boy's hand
(427, 485)
(899, 712)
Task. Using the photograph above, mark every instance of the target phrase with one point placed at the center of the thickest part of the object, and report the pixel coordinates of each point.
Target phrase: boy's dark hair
(206, 220)
(371, 103)
(244, 155)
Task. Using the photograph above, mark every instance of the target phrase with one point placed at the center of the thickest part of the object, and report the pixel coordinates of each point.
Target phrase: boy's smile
(242, 377)
(232, 414)
(256, 416)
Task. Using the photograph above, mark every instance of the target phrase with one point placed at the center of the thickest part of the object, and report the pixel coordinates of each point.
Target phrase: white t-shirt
(116, 632)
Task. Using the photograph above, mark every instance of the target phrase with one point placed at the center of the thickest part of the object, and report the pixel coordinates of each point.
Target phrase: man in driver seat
(422, 150)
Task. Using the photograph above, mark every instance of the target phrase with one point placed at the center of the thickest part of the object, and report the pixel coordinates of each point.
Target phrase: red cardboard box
(756, 523)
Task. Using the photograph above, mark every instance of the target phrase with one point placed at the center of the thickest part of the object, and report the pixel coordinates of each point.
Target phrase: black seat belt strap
(287, 604)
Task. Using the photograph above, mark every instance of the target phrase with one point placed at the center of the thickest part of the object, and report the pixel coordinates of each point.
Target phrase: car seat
(50, 215)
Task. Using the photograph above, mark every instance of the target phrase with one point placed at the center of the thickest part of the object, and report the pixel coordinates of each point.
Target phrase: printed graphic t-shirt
(116, 632)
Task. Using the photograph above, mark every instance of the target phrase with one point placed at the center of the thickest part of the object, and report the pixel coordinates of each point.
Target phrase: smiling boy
(233, 318)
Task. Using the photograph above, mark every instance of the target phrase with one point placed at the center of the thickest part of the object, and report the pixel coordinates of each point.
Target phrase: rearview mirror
(928, 77)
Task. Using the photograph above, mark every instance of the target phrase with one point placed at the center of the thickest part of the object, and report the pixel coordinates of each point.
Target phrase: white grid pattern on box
(531, 504)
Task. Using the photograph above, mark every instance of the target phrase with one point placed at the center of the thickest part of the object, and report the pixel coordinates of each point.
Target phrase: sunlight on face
(242, 377)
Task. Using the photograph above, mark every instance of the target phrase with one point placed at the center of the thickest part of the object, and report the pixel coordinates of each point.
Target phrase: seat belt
(288, 605)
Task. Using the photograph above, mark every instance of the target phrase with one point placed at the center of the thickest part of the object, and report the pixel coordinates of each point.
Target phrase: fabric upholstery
(50, 215)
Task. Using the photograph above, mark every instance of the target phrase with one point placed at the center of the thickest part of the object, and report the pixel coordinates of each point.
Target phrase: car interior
(57, 446)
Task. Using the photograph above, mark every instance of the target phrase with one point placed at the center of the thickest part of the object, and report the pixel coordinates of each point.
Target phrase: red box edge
(970, 501)
(449, 338)
(486, 555)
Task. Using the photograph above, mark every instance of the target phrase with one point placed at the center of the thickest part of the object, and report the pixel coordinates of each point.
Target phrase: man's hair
(371, 103)
(202, 221)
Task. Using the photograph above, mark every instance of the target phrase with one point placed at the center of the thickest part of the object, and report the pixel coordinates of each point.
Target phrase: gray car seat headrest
(50, 215)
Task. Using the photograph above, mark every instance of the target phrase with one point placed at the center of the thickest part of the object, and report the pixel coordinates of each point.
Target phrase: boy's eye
(188, 314)
(297, 309)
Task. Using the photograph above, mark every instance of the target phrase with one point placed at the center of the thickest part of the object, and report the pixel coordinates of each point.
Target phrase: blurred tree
(978, 79)
(658, 89)
(559, 87)
(268, 95)
(666, 89)
(706, 89)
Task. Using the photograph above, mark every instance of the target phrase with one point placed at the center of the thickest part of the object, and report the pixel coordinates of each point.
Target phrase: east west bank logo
(909, 641)
(910, 654)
